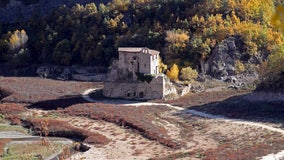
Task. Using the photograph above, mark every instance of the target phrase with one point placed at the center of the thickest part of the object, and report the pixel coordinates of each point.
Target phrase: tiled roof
(137, 50)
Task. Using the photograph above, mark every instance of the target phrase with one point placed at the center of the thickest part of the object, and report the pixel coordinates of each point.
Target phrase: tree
(277, 19)
(18, 39)
(103, 9)
(173, 73)
(61, 53)
(121, 5)
(188, 74)
(177, 38)
(3, 50)
(91, 9)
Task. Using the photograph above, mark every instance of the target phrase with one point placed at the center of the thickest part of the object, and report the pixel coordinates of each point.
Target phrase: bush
(240, 68)
(188, 74)
(144, 78)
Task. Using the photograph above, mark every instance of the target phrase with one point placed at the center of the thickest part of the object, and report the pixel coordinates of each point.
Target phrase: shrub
(239, 66)
(63, 129)
(144, 78)
(188, 74)
(11, 108)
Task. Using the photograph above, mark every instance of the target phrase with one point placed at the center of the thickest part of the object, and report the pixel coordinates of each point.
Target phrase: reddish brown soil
(31, 90)
(137, 118)
(57, 128)
(197, 99)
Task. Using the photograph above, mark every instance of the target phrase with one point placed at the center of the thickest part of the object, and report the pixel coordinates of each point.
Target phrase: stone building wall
(138, 90)
(122, 81)
(145, 63)
(144, 60)
(155, 64)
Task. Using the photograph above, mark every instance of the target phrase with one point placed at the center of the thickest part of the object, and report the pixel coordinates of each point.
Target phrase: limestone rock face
(222, 61)
(221, 64)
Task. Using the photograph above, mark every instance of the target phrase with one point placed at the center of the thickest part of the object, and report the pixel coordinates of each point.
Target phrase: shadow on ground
(60, 103)
(238, 107)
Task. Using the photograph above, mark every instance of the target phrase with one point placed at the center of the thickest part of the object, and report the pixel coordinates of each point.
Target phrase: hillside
(216, 37)
(21, 10)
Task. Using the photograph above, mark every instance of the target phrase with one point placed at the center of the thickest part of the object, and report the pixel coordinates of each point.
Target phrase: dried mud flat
(155, 132)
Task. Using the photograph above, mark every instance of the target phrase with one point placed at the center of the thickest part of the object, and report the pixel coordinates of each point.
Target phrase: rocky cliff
(20, 10)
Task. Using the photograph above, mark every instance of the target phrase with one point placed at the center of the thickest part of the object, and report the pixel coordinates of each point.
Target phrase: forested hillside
(185, 31)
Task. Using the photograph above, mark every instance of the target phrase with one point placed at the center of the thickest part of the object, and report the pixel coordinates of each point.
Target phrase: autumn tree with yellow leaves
(173, 73)
(18, 39)
(272, 71)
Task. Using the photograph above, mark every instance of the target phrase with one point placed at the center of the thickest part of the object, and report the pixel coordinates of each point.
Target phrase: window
(134, 58)
(141, 95)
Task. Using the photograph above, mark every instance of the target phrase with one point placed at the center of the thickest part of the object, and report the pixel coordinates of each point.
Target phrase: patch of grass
(31, 150)
(3, 142)
(13, 128)
(175, 156)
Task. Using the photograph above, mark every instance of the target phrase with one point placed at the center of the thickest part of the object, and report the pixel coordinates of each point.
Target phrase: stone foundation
(156, 89)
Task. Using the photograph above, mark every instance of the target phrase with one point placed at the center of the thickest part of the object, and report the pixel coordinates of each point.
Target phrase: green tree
(62, 53)
(3, 50)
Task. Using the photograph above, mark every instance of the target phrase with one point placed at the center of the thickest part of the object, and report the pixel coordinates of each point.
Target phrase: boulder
(49, 72)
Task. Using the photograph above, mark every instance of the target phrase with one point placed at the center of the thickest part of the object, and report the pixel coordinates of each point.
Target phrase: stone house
(142, 60)
(123, 82)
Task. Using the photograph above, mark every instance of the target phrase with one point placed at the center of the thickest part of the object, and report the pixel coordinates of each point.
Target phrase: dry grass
(57, 128)
(31, 150)
(3, 142)
(31, 90)
(246, 147)
(137, 118)
(11, 108)
(197, 99)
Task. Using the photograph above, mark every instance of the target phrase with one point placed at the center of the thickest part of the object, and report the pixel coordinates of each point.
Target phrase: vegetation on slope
(185, 31)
